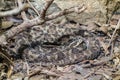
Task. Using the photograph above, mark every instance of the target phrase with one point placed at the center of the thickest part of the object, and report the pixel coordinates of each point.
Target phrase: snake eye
(12, 46)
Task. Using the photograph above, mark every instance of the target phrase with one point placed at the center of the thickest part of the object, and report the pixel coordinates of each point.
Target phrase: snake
(54, 44)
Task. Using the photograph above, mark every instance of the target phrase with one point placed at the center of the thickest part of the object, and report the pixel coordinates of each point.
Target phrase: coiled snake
(56, 45)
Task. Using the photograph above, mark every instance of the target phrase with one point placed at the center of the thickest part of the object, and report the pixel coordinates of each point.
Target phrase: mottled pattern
(72, 52)
(73, 49)
(48, 32)
(51, 32)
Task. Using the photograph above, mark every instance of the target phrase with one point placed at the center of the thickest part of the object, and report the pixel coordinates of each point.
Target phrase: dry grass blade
(10, 71)
(4, 55)
(112, 37)
(33, 8)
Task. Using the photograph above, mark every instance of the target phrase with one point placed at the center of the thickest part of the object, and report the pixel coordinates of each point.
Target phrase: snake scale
(54, 44)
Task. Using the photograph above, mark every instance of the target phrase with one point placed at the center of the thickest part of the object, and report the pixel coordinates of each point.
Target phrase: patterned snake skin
(55, 45)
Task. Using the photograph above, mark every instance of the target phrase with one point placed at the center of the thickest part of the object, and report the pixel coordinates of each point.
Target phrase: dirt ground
(20, 63)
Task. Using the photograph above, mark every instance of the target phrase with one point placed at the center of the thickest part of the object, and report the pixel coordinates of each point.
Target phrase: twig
(29, 23)
(6, 56)
(92, 72)
(117, 27)
(47, 72)
(24, 17)
(13, 31)
(101, 62)
(33, 7)
(14, 11)
(45, 8)
(66, 11)
(34, 73)
(27, 67)
(9, 73)
(23, 14)
(104, 74)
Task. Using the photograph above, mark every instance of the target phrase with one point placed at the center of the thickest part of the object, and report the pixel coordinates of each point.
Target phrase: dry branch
(14, 11)
(116, 28)
(45, 8)
(13, 31)
(29, 23)
(66, 11)
(23, 14)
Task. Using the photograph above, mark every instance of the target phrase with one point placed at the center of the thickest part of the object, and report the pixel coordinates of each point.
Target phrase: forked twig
(36, 21)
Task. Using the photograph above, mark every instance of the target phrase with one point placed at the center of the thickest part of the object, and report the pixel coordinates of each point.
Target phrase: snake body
(39, 45)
